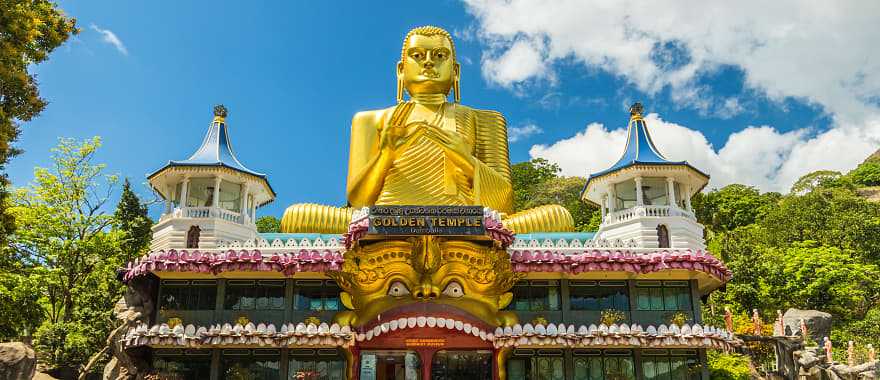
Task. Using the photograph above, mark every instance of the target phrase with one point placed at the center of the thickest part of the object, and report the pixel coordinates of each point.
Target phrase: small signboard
(426, 220)
(425, 342)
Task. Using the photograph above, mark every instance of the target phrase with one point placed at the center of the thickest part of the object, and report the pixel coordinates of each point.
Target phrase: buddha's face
(427, 66)
(452, 279)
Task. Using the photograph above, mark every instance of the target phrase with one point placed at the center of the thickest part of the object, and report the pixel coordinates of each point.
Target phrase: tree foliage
(815, 248)
(731, 206)
(867, 174)
(133, 223)
(268, 223)
(724, 366)
(65, 240)
(537, 182)
(29, 31)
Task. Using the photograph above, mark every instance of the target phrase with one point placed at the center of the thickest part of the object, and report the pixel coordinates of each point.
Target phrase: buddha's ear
(456, 71)
(504, 300)
(400, 69)
(346, 300)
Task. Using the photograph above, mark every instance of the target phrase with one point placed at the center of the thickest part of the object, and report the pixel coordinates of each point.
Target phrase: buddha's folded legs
(547, 218)
(315, 218)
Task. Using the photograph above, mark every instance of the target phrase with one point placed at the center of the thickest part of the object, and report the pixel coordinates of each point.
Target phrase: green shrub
(724, 366)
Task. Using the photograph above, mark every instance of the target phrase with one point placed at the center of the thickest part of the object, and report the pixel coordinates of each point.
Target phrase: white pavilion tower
(644, 197)
(209, 197)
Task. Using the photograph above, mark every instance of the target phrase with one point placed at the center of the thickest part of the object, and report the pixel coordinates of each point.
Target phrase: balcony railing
(647, 211)
(206, 212)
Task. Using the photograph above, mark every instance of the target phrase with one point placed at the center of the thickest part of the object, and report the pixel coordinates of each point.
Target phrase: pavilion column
(612, 195)
(244, 203)
(670, 191)
(215, 202)
(604, 205)
(640, 201)
(687, 198)
(169, 196)
(184, 189)
(254, 208)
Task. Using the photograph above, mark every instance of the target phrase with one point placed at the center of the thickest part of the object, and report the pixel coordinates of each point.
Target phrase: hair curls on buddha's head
(427, 31)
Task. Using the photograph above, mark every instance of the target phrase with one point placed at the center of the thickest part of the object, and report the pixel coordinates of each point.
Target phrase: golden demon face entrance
(426, 276)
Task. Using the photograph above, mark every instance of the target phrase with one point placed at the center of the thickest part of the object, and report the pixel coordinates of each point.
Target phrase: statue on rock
(427, 150)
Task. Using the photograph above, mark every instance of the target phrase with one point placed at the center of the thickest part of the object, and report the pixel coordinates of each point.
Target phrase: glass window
(654, 191)
(454, 365)
(541, 365)
(625, 195)
(390, 365)
(230, 196)
(603, 365)
(663, 296)
(679, 195)
(671, 365)
(599, 295)
(535, 296)
(254, 295)
(200, 192)
(323, 364)
(316, 295)
(187, 295)
(251, 364)
(172, 364)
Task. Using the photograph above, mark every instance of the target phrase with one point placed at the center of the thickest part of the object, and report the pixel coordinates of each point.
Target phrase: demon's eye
(397, 289)
(454, 290)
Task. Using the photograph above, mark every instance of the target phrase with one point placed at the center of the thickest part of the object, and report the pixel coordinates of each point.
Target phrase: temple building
(447, 289)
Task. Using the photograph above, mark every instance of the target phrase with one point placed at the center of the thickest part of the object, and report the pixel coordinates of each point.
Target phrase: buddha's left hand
(458, 147)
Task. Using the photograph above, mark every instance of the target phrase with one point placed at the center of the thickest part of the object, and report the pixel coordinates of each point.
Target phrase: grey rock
(17, 361)
(807, 359)
(818, 323)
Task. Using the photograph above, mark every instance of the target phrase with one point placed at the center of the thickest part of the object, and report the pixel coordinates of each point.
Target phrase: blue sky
(144, 76)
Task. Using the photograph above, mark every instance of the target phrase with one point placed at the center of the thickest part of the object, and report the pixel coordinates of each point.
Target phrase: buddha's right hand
(398, 138)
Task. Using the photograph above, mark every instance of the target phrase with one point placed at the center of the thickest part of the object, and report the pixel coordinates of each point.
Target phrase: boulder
(17, 361)
(818, 323)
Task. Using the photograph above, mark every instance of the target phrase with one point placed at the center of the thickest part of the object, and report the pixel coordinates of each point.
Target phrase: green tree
(537, 183)
(527, 178)
(19, 304)
(731, 206)
(818, 179)
(835, 217)
(63, 238)
(867, 173)
(268, 223)
(724, 366)
(832, 279)
(133, 223)
(29, 31)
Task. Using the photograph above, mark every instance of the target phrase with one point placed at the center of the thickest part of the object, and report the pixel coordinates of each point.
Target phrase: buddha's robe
(423, 174)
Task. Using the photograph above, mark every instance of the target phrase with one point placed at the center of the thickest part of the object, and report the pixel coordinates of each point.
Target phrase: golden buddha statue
(428, 151)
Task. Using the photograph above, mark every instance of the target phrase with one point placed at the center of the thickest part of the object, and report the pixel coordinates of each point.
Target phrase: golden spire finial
(220, 112)
(636, 110)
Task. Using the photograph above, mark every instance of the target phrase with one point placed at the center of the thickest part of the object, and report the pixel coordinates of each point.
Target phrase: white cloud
(822, 53)
(515, 134)
(111, 38)
(760, 156)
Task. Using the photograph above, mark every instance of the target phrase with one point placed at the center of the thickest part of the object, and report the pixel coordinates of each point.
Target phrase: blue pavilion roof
(216, 149)
(640, 149)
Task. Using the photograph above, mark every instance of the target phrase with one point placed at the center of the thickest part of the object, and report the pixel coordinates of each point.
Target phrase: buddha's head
(427, 63)
(426, 276)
